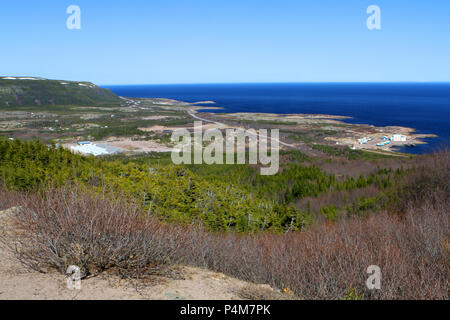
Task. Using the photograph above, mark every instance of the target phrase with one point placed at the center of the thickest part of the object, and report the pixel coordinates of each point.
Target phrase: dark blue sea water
(423, 106)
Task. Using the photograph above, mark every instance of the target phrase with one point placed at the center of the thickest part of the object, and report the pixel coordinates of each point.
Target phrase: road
(221, 125)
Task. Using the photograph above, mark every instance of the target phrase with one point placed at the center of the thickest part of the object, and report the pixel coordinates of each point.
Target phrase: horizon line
(278, 82)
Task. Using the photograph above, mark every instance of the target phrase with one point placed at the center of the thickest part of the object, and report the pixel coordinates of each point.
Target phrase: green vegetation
(123, 130)
(310, 136)
(221, 197)
(349, 153)
(28, 93)
(173, 193)
(267, 122)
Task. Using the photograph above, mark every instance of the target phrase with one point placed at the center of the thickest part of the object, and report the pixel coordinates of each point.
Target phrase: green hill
(15, 92)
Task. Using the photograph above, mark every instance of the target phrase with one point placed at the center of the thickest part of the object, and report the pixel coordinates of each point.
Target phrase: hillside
(202, 217)
(16, 92)
(182, 282)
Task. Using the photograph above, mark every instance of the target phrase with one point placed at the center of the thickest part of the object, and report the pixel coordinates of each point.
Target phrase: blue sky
(209, 41)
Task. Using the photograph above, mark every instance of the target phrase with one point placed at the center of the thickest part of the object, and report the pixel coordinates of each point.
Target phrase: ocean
(422, 106)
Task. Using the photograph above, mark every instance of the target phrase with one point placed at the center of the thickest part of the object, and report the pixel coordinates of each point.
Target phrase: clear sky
(207, 41)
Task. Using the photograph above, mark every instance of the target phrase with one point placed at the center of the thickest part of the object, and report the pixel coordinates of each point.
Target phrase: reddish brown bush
(7, 198)
(72, 227)
(322, 263)
(428, 182)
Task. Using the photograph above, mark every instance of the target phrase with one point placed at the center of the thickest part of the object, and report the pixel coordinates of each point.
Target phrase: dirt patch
(140, 146)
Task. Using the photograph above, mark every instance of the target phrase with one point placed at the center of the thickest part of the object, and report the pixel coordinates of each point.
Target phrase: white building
(398, 137)
(363, 140)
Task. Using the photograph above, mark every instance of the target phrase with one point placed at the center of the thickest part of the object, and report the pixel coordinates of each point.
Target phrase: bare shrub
(325, 261)
(429, 182)
(94, 232)
(8, 198)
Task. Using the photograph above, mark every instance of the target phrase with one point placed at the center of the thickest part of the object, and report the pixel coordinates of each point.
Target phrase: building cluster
(384, 140)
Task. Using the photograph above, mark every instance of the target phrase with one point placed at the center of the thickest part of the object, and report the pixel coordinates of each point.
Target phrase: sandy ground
(19, 283)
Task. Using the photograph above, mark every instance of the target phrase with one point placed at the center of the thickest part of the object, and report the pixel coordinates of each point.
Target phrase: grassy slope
(14, 93)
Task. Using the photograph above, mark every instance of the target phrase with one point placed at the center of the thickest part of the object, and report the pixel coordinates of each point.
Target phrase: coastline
(422, 110)
(352, 131)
